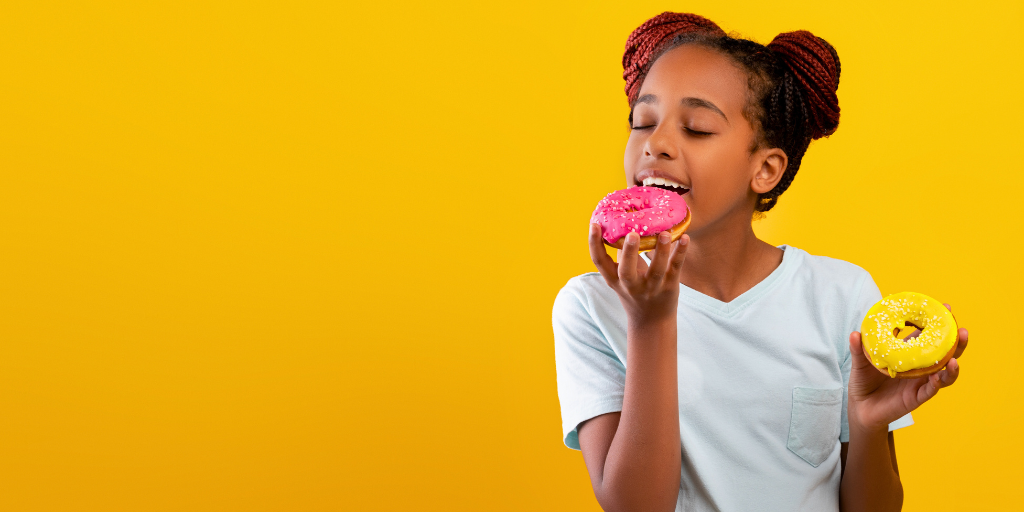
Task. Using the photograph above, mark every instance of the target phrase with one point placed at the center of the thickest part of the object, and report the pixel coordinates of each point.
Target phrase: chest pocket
(814, 427)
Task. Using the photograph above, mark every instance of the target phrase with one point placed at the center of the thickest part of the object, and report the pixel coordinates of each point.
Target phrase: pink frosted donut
(644, 210)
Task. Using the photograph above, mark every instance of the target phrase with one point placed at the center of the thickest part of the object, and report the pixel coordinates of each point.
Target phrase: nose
(661, 143)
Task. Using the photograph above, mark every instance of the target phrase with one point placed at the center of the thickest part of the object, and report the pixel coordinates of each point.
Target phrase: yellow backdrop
(296, 256)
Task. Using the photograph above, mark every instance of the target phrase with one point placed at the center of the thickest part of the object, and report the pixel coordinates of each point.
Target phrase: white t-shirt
(762, 380)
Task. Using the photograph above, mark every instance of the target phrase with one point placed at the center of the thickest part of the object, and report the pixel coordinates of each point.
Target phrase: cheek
(725, 169)
(733, 160)
(632, 154)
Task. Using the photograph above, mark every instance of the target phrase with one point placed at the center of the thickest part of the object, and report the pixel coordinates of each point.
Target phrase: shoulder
(582, 293)
(825, 266)
(841, 293)
(587, 311)
(832, 273)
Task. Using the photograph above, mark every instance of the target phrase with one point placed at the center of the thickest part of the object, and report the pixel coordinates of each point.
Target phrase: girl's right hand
(647, 293)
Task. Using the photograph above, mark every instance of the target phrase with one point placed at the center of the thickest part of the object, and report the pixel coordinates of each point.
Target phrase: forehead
(695, 71)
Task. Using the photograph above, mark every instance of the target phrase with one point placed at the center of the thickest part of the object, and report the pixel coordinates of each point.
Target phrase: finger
(949, 375)
(641, 266)
(961, 342)
(961, 334)
(950, 308)
(659, 264)
(627, 260)
(859, 352)
(924, 388)
(678, 256)
(604, 263)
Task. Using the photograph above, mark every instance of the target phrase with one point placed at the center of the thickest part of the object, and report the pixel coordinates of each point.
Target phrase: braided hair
(792, 82)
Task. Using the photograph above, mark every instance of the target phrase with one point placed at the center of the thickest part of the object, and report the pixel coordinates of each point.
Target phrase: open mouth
(666, 184)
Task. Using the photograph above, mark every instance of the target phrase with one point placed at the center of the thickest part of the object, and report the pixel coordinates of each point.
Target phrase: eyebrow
(688, 101)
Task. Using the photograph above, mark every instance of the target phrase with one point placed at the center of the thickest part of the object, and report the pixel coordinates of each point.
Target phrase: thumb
(860, 359)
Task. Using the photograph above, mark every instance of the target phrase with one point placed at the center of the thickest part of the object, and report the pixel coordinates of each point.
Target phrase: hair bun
(815, 65)
(644, 43)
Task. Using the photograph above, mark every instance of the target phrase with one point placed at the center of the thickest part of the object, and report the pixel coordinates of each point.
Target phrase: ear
(772, 163)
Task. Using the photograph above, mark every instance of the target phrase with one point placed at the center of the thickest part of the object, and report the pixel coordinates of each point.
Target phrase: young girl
(723, 373)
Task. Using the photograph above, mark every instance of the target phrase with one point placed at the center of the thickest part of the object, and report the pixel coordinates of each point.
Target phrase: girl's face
(689, 128)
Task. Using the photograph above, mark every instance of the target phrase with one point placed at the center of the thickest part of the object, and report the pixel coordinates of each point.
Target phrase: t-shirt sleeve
(868, 294)
(591, 378)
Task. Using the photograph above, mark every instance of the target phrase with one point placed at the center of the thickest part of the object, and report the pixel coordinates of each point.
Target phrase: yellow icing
(895, 352)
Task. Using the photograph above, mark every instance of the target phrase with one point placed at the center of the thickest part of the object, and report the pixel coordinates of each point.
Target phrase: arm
(634, 456)
(892, 455)
(871, 480)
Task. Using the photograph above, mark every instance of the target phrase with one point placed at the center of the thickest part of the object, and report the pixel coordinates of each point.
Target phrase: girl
(724, 373)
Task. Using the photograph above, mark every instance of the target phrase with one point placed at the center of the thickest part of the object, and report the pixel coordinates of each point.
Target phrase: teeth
(662, 181)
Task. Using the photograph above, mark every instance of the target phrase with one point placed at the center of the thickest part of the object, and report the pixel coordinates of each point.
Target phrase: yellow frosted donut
(885, 331)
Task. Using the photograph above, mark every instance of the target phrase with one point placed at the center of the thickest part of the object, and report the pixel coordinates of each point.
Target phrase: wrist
(655, 330)
(650, 323)
(862, 425)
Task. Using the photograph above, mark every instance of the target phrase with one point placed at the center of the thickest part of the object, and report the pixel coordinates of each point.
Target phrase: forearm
(642, 468)
(870, 483)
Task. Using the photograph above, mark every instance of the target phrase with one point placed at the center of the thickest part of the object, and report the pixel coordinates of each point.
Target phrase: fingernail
(953, 365)
(664, 237)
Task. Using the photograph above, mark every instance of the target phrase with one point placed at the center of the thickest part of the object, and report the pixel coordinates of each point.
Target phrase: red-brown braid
(815, 65)
(793, 80)
(643, 44)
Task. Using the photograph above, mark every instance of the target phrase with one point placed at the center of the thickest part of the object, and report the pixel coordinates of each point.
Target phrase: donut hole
(908, 331)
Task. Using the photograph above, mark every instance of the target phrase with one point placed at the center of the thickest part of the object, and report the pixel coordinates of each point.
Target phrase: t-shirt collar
(791, 258)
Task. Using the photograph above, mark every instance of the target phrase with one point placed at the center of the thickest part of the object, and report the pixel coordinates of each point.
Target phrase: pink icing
(644, 210)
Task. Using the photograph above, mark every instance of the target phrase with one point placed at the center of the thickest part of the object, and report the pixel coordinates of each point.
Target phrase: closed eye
(688, 130)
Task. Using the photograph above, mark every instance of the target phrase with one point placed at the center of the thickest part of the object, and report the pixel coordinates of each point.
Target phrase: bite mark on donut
(646, 211)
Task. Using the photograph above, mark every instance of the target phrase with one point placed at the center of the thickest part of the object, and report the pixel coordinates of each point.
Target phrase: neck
(725, 260)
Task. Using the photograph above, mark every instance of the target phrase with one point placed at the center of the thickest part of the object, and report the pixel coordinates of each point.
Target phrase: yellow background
(294, 256)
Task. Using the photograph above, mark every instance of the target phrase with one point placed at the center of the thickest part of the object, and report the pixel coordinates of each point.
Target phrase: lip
(656, 173)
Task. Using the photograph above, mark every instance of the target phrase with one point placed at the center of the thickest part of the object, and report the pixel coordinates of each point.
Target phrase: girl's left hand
(877, 399)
